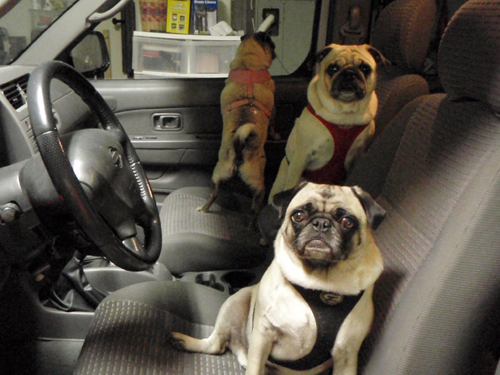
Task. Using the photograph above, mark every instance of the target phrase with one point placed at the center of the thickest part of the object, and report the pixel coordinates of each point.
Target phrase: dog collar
(250, 78)
(329, 310)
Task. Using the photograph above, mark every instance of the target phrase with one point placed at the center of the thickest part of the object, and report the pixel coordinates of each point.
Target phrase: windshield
(22, 21)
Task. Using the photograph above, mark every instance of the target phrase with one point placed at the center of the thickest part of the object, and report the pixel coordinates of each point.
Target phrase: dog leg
(215, 344)
(211, 199)
(229, 331)
(351, 335)
(252, 174)
(260, 347)
(258, 199)
(239, 349)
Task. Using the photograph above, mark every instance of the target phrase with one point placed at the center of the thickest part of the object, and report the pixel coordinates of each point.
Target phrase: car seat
(402, 33)
(437, 301)
(219, 239)
(222, 239)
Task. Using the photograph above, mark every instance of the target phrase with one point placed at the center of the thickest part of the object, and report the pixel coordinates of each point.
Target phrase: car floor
(58, 357)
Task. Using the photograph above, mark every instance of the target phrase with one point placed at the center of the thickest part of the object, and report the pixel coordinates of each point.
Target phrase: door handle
(167, 121)
(98, 17)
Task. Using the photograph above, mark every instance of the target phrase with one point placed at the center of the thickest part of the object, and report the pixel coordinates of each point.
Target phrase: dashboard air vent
(15, 91)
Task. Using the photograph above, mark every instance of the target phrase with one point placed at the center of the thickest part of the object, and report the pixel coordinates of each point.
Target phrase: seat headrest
(403, 33)
(469, 53)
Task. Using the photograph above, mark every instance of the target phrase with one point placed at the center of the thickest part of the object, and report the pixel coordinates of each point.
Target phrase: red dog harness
(250, 78)
(334, 171)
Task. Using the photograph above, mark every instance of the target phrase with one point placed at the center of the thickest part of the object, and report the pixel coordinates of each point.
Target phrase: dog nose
(321, 225)
(349, 74)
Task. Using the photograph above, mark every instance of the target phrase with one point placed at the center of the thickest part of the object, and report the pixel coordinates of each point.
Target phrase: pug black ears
(374, 213)
(319, 57)
(282, 200)
(263, 38)
(377, 55)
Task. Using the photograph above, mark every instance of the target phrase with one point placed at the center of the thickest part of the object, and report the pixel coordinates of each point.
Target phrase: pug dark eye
(365, 69)
(299, 216)
(347, 223)
(332, 69)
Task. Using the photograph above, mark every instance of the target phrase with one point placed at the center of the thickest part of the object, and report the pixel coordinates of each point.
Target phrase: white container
(175, 55)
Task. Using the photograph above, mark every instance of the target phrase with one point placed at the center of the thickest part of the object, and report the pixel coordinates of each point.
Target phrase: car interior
(103, 253)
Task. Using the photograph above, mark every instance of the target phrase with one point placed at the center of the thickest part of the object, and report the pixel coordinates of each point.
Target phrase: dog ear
(319, 57)
(264, 39)
(374, 212)
(282, 200)
(377, 55)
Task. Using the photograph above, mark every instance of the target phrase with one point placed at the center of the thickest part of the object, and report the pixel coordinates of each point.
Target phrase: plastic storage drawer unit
(173, 55)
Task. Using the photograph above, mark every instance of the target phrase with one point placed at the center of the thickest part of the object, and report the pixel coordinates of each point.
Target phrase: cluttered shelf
(183, 38)
(220, 23)
(200, 17)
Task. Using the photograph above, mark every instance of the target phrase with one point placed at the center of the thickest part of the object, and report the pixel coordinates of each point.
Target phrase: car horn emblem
(116, 157)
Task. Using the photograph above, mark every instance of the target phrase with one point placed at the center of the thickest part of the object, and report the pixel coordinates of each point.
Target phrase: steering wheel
(96, 172)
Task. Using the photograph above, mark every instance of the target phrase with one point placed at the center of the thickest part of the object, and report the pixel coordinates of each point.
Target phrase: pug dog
(247, 103)
(338, 123)
(313, 306)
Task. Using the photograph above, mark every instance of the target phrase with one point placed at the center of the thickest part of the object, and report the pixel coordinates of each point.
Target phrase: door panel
(185, 153)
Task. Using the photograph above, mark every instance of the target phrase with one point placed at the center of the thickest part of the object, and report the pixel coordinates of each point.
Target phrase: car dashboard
(18, 138)
(23, 237)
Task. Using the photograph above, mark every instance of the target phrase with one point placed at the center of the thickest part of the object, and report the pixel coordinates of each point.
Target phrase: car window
(199, 38)
(23, 23)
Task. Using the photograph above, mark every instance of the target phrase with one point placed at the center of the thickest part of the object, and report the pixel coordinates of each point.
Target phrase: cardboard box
(153, 15)
(203, 16)
(178, 12)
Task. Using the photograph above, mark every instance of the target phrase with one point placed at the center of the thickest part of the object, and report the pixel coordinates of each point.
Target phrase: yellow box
(178, 12)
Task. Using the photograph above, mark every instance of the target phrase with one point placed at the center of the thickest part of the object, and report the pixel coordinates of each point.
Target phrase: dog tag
(331, 298)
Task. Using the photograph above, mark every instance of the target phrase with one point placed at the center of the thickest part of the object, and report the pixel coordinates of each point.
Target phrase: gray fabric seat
(219, 239)
(194, 241)
(436, 303)
(402, 33)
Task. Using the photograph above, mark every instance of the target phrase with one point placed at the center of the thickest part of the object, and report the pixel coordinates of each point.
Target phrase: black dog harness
(330, 311)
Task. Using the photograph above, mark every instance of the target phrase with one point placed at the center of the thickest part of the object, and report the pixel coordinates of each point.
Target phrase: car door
(174, 120)
(176, 125)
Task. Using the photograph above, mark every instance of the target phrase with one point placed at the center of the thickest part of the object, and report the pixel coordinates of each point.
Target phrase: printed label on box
(203, 16)
(178, 16)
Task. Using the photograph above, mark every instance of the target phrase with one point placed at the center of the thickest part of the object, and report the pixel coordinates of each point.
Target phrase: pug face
(326, 224)
(348, 73)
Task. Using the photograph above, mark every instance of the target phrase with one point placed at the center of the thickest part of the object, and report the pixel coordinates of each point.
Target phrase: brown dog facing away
(313, 307)
(247, 103)
(338, 123)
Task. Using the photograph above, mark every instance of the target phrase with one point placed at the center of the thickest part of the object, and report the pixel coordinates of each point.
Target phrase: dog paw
(242, 360)
(177, 340)
(201, 209)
